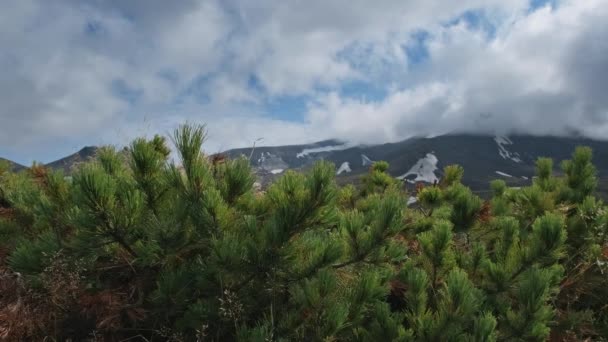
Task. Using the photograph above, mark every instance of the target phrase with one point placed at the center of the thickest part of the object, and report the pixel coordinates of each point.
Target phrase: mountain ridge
(484, 157)
(68, 163)
(418, 159)
(13, 166)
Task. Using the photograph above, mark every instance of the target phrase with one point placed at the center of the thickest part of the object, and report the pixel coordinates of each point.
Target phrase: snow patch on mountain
(503, 174)
(502, 142)
(263, 157)
(270, 162)
(424, 170)
(345, 167)
(276, 171)
(411, 200)
(365, 160)
(308, 151)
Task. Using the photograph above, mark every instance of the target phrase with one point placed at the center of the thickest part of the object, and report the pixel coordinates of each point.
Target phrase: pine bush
(137, 246)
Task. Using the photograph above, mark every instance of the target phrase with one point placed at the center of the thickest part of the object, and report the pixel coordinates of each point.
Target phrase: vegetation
(135, 247)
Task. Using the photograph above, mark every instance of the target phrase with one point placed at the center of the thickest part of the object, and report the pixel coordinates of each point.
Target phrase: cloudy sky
(91, 72)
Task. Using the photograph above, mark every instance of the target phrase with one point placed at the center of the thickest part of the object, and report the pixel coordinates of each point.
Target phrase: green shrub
(190, 252)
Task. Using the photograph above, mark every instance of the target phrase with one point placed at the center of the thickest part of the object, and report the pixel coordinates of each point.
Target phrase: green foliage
(544, 174)
(234, 179)
(5, 167)
(528, 320)
(548, 237)
(465, 207)
(190, 252)
(31, 257)
(581, 179)
(377, 180)
(499, 187)
(371, 241)
(430, 197)
(380, 166)
(452, 175)
(500, 203)
(437, 250)
(147, 163)
(347, 197)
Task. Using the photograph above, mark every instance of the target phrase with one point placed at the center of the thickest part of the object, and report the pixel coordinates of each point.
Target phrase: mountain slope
(68, 163)
(484, 158)
(12, 165)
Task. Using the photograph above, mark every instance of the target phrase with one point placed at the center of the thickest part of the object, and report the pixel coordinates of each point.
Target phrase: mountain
(484, 158)
(68, 163)
(12, 165)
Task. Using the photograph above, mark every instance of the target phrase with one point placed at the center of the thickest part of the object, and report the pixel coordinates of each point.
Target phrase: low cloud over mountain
(94, 72)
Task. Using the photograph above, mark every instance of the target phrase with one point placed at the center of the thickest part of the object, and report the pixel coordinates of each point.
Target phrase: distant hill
(484, 158)
(13, 166)
(68, 163)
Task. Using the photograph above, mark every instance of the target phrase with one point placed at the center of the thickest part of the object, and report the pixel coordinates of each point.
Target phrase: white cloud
(294, 46)
(540, 72)
(543, 73)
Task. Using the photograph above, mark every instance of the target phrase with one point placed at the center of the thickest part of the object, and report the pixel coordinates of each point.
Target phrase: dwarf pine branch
(136, 244)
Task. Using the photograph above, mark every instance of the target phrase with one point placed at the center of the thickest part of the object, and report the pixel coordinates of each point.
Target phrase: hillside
(422, 159)
(67, 163)
(484, 158)
(187, 251)
(12, 165)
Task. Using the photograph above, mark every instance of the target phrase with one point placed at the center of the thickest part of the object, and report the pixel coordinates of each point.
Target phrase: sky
(94, 72)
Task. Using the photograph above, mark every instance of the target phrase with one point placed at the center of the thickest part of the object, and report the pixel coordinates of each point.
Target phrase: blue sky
(90, 72)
